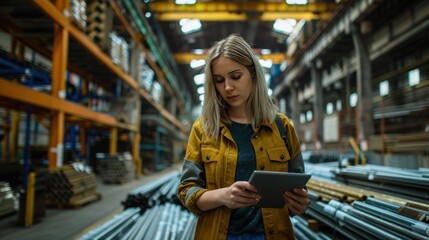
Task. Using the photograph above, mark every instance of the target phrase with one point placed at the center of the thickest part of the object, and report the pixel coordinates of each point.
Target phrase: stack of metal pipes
(406, 183)
(370, 219)
(365, 202)
(152, 211)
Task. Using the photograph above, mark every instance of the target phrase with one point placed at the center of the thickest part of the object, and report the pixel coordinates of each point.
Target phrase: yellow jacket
(211, 164)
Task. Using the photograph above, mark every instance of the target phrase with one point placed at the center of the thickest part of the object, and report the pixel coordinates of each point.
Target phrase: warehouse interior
(97, 98)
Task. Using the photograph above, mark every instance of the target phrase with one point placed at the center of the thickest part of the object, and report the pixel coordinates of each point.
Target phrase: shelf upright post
(113, 140)
(83, 91)
(14, 128)
(59, 66)
(5, 145)
(17, 49)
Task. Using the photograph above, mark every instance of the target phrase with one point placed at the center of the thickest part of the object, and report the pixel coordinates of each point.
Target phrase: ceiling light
(201, 97)
(197, 63)
(300, 2)
(185, 2)
(284, 25)
(190, 25)
(199, 79)
(148, 14)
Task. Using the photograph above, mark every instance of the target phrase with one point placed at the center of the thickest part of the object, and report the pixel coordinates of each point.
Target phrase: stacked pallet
(401, 143)
(117, 169)
(78, 13)
(68, 187)
(119, 51)
(8, 200)
(99, 22)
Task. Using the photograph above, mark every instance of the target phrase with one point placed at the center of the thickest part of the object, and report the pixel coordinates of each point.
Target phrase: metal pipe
(334, 209)
(333, 225)
(394, 228)
(304, 229)
(419, 227)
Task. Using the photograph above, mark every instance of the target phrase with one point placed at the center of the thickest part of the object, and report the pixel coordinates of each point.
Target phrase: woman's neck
(239, 117)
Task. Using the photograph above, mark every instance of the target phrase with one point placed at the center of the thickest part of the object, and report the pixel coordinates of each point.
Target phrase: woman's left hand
(297, 201)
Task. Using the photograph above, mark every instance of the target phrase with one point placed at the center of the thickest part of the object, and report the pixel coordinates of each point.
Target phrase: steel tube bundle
(150, 194)
(151, 213)
(316, 211)
(417, 226)
(402, 182)
(111, 225)
(392, 227)
(301, 226)
(333, 208)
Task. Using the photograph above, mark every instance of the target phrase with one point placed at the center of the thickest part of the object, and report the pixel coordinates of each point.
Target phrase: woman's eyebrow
(234, 71)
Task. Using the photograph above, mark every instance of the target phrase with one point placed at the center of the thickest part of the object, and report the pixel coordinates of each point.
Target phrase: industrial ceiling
(253, 20)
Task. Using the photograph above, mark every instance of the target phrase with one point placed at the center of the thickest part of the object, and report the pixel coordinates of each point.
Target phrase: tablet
(272, 185)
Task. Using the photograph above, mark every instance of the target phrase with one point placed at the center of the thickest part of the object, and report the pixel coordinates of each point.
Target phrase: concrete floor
(65, 224)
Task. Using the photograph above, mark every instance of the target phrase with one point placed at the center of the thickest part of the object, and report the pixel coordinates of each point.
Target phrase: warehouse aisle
(65, 224)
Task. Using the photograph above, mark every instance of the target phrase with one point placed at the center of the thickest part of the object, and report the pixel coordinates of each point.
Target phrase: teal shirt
(244, 220)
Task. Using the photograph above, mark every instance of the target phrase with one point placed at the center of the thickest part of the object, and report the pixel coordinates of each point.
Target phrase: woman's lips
(233, 97)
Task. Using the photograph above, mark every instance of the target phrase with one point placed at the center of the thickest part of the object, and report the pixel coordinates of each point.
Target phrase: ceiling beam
(186, 58)
(239, 11)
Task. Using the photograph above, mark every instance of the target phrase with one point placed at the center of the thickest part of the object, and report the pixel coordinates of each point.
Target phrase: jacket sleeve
(192, 182)
(296, 164)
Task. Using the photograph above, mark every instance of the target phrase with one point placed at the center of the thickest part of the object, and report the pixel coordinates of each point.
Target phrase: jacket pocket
(279, 158)
(210, 159)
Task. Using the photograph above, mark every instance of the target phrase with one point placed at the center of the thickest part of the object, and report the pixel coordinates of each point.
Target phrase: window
(384, 88)
(353, 99)
(414, 77)
(329, 108)
(309, 116)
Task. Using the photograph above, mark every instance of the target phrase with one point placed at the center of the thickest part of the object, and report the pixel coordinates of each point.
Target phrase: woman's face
(233, 81)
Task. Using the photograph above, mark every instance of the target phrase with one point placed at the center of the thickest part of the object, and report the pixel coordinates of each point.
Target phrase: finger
(295, 200)
(300, 191)
(296, 208)
(244, 196)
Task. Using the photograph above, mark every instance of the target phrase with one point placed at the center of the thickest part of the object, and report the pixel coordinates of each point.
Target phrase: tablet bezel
(271, 186)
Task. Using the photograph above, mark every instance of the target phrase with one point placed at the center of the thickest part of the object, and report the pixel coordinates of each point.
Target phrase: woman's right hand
(241, 194)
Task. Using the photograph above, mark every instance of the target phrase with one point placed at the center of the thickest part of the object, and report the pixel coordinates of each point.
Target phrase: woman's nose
(228, 85)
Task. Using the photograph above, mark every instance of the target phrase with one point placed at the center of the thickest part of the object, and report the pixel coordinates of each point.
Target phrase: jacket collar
(265, 124)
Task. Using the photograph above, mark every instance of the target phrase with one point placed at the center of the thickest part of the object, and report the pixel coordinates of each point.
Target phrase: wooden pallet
(75, 203)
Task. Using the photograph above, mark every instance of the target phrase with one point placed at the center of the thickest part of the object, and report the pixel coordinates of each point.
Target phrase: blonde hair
(260, 106)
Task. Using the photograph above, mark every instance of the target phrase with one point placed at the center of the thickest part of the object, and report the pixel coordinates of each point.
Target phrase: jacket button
(282, 157)
(261, 148)
(208, 157)
(262, 166)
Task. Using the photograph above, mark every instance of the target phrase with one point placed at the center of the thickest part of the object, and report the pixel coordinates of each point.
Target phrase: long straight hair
(260, 106)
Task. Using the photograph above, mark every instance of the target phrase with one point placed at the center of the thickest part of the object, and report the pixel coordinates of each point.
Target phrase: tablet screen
(272, 185)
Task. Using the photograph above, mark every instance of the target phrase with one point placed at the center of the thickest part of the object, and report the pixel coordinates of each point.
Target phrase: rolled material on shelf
(8, 200)
(71, 188)
(117, 168)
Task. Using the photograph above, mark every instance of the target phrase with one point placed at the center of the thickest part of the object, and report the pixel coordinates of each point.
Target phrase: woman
(235, 135)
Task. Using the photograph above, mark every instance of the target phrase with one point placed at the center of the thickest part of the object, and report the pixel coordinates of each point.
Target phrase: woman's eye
(236, 77)
(218, 80)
